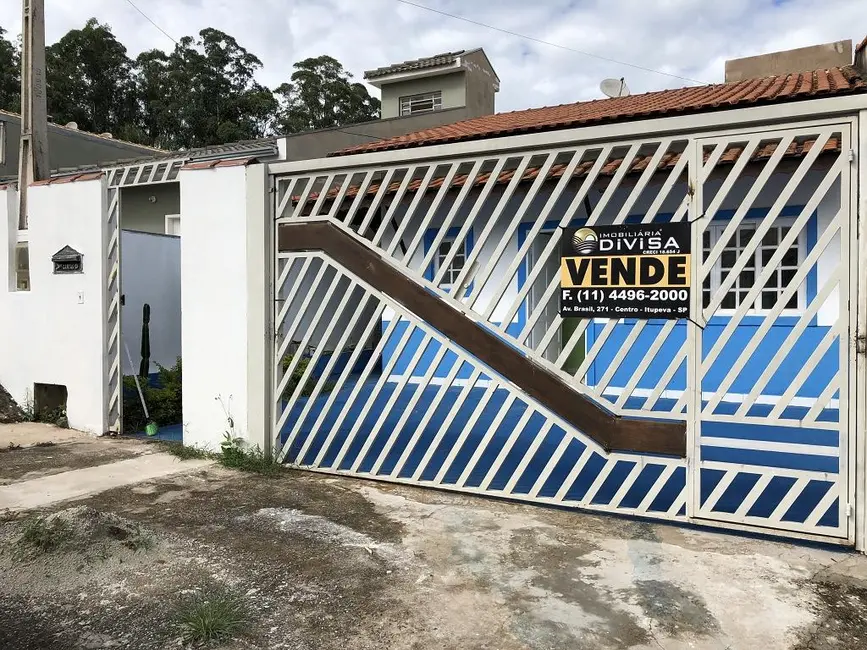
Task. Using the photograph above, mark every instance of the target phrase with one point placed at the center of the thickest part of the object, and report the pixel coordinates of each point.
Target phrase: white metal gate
(367, 387)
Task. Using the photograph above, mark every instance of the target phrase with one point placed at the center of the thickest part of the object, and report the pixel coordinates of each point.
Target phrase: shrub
(43, 535)
(309, 385)
(163, 399)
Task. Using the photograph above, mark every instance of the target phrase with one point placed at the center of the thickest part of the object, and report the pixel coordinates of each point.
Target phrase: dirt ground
(331, 563)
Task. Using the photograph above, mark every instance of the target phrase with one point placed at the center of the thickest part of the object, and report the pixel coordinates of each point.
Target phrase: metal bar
(589, 180)
(538, 439)
(429, 413)
(444, 427)
(649, 355)
(411, 210)
(806, 370)
(338, 387)
(465, 432)
(489, 184)
(392, 399)
(791, 339)
(539, 222)
(353, 395)
(407, 412)
(381, 191)
(442, 192)
(508, 445)
(358, 310)
(769, 318)
(386, 372)
(396, 200)
(752, 194)
(494, 258)
(516, 179)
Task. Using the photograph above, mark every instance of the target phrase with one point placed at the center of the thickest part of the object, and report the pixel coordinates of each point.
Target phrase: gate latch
(861, 344)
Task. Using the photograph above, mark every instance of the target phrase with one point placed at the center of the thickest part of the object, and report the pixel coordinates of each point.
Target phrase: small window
(423, 103)
(779, 278)
(452, 273)
(22, 267)
(173, 224)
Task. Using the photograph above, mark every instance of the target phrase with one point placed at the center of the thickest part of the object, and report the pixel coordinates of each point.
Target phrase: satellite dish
(614, 87)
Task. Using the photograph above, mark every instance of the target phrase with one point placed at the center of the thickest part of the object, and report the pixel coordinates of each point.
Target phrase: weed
(45, 444)
(12, 447)
(236, 456)
(140, 540)
(43, 535)
(182, 451)
(211, 616)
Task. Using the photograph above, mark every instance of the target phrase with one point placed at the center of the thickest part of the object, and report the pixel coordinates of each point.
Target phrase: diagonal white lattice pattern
(761, 378)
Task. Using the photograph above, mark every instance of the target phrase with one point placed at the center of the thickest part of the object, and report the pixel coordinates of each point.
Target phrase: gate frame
(838, 111)
(144, 172)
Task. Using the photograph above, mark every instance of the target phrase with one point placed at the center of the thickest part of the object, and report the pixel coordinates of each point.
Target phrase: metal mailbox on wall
(67, 260)
(626, 271)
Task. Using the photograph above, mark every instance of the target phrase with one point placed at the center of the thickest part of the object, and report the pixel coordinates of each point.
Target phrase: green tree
(321, 94)
(203, 93)
(90, 82)
(10, 75)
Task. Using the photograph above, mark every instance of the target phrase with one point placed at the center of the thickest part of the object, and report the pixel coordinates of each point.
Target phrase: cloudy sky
(688, 38)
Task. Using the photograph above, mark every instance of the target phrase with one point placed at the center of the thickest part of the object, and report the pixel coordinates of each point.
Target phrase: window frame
(434, 266)
(434, 96)
(717, 227)
(19, 246)
(169, 219)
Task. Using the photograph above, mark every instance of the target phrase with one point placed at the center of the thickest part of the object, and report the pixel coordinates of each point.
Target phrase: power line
(543, 42)
(148, 18)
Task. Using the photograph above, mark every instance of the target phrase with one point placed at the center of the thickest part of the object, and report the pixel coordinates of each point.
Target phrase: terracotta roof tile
(661, 103)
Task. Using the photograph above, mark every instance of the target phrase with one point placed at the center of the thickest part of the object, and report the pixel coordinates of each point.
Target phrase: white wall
(54, 333)
(215, 324)
(151, 273)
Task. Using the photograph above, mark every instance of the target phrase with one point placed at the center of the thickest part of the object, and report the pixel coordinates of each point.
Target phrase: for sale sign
(627, 271)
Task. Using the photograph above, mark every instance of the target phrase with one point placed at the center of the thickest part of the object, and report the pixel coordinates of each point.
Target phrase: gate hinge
(849, 512)
(851, 155)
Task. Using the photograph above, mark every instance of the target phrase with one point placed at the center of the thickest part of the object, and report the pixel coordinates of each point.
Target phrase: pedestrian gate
(417, 338)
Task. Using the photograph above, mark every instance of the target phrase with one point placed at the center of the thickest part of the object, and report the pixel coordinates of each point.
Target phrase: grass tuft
(42, 535)
(212, 616)
(250, 460)
(182, 451)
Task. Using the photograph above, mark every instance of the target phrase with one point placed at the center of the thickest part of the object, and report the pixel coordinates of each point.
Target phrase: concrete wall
(67, 148)
(318, 144)
(480, 84)
(53, 334)
(224, 303)
(144, 208)
(802, 59)
(151, 273)
(452, 85)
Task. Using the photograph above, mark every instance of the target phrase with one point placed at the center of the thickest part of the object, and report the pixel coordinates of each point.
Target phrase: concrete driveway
(335, 563)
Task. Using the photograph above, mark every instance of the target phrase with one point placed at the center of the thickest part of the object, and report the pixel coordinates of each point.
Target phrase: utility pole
(33, 154)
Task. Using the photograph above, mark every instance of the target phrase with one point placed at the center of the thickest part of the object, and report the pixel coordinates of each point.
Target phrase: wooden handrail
(612, 432)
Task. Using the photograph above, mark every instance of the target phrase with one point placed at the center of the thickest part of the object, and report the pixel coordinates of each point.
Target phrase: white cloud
(689, 38)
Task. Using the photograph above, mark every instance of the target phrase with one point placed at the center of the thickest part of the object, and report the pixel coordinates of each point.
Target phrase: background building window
(454, 270)
(423, 103)
(22, 266)
(779, 278)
